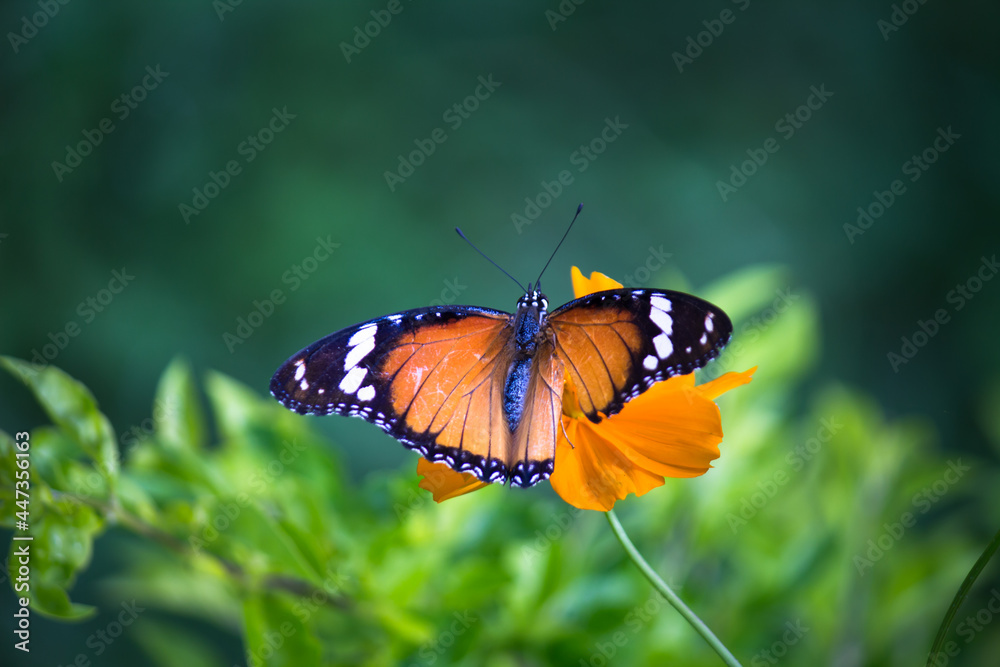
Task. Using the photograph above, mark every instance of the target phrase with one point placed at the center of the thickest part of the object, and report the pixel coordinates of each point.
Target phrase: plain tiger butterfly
(481, 390)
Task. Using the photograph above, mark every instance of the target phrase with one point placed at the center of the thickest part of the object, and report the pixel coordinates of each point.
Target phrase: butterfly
(481, 390)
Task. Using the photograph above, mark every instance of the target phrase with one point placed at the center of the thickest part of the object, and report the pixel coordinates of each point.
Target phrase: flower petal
(591, 474)
(673, 429)
(597, 282)
(724, 383)
(443, 482)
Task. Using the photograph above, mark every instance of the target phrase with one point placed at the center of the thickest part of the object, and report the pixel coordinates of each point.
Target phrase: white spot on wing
(366, 393)
(352, 380)
(664, 347)
(358, 352)
(649, 363)
(662, 320)
(304, 384)
(367, 331)
(708, 323)
(704, 339)
(300, 369)
(661, 302)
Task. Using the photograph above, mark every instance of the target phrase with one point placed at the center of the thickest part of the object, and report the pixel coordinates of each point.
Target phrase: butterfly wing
(615, 344)
(533, 448)
(433, 378)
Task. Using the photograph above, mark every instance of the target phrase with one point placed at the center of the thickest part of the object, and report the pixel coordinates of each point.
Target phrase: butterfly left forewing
(430, 377)
(615, 344)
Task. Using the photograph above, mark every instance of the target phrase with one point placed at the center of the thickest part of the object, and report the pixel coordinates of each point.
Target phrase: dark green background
(654, 186)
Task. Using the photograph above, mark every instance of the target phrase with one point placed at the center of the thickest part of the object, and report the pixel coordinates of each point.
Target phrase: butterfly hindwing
(534, 439)
(432, 378)
(615, 344)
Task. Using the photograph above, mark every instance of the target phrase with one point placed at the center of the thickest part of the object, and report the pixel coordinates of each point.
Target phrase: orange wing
(534, 442)
(618, 343)
(433, 378)
(445, 386)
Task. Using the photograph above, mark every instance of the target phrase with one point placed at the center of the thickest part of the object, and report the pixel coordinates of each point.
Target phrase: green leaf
(62, 545)
(8, 472)
(244, 533)
(73, 409)
(54, 462)
(956, 603)
(177, 411)
(276, 636)
(52, 600)
(235, 406)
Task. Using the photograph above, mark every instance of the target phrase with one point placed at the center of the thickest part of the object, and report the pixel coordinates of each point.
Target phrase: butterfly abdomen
(514, 391)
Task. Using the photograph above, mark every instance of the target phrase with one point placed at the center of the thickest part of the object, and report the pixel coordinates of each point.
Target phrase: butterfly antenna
(578, 209)
(464, 238)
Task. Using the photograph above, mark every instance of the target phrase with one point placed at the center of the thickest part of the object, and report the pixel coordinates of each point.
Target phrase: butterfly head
(533, 298)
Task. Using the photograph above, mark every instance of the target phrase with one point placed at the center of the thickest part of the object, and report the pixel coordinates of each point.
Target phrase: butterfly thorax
(529, 319)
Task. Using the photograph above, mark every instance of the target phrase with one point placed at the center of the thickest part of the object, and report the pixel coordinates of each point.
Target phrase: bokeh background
(696, 90)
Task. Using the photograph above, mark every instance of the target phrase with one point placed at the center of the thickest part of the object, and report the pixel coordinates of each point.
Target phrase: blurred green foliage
(241, 517)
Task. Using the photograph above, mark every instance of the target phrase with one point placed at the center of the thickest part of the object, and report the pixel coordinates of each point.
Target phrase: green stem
(668, 593)
(963, 591)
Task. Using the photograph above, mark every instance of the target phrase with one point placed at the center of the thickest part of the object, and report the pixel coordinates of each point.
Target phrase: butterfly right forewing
(618, 343)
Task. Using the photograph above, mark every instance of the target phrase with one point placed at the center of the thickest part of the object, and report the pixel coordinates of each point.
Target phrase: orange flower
(671, 430)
